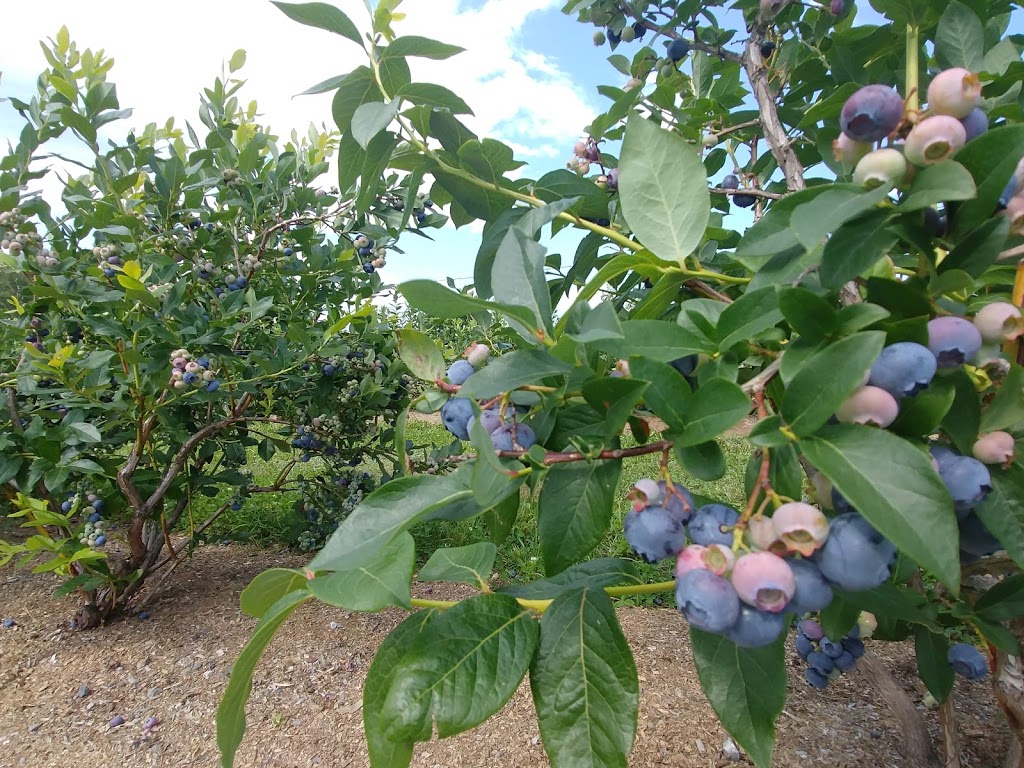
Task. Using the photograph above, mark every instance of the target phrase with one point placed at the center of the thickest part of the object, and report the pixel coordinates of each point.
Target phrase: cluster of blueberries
(186, 372)
(38, 332)
(374, 260)
(507, 433)
(826, 658)
(306, 437)
(108, 258)
(323, 510)
(94, 533)
(954, 117)
(16, 239)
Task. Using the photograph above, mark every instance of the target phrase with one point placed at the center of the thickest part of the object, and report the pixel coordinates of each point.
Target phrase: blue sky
(529, 72)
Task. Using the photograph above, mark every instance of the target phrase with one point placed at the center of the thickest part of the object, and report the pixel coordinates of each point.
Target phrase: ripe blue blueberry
(365, 252)
(678, 49)
(975, 124)
(236, 506)
(820, 662)
(8, 623)
(967, 480)
(213, 386)
(756, 629)
(203, 362)
(812, 592)
(685, 365)
(501, 438)
(831, 648)
(804, 646)
(94, 517)
(767, 49)
(845, 661)
(856, 557)
(679, 501)
(368, 268)
(1008, 191)
(854, 646)
(654, 532)
(871, 113)
(707, 601)
(189, 378)
(953, 340)
(811, 629)
(975, 539)
(101, 540)
(967, 661)
(241, 282)
(903, 369)
(731, 182)
(713, 524)
(744, 200)
(66, 506)
(288, 251)
(815, 679)
(459, 371)
(329, 370)
(455, 415)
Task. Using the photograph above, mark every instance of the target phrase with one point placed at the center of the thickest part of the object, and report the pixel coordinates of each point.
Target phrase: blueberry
(203, 362)
(810, 629)
(731, 182)
(368, 268)
(856, 557)
(854, 647)
(9, 623)
(236, 506)
(455, 415)
(329, 370)
(213, 386)
(903, 369)
(365, 252)
(882, 167)
(764, 581)
(189, 378)
(831, 648)
(934, 139)
(288, 252)
(707, 601)
(767, 49)
(116, 720)
(490, 419)
(956, 92)
(967, 661)
(815, 679)
(713, 524)
(459, 371)
(241, 282)
(845, 661)
(143, 615)
(677, 50)
(501, 438)
(639, 30)
(820, 662)
(101, 540)
(953, 341)
(967, 480)
(871, 113)
(812, 592)
(421, 217)
(804, 646)
(756, 629)
(744, 201)
(1008, 191)
(66, 506)
(685, 365)
(94, 517)
(975, 539)
(654, 533)
(975, 123)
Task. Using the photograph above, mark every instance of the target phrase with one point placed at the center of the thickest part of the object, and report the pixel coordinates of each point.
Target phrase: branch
(752, 192)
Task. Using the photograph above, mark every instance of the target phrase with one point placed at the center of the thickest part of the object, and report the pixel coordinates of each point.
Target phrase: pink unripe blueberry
(716, 558)
(849, 152)
(995, 448)
(580, 149)
(645, 492)
(208, 375)
(761, 533)
(191, 366)
(883, 167)
(934, 139)
(764, 581)
(179, 363)
(998, 322)
(176, 375)
(1015, 213)
(869, 405)
(801, 527)
(954, 92)
(477, 354)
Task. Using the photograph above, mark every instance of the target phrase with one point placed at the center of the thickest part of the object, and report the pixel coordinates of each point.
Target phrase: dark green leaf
(420, 353)
(1004, 601)
(322, 16)
(269, 587)
(991, 159)
(433, 96)
(1002, 512)
(960, 38)
(574, 510)
(939, 183)
(525, 366)
(584, 683)
(753, 313)
(437, 301)
(933, 666)
(808, 314)
(601, 572)
(668, 396)
(411, 45)
(716, 406)
(380, 581)
(658, 340)
(745, 687)
(470, 564)
(1006, 409)
(855, 247)
(963, 420)
(501, 518)
(705, 461)
(979, 249)
(895, 487)
(824, 382)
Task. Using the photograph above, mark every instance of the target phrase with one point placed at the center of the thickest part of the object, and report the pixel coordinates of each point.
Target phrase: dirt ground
(59, 689)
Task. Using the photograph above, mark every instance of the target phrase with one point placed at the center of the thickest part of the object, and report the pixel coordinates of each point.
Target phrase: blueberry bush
(812, 217)
(192, 301)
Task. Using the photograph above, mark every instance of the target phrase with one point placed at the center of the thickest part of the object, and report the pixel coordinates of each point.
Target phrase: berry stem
(913, 67)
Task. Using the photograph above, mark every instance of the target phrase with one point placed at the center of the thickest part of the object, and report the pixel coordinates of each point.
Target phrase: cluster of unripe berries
(954, 117)
(232, 283)
(740, 580)
(94, 533)
(108, 258)
(826, 658)
(306, 437)
(583, 154)
(374, 257)
(186, 372)
(231, 178)
(506, 432)
(17, 242)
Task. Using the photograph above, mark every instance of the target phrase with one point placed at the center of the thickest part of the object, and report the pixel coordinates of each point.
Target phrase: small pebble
(700, 746)
(116, 720)
(153, 693)
(83, 691)
(730, 750)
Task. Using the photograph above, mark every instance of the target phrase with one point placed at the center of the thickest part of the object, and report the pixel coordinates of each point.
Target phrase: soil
(306, 702)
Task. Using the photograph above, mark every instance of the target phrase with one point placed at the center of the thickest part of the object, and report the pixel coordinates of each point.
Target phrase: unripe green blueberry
(709, 140)
(998, 322)
(954, 92)
(882, 167)
(934, 139)
(599, 38)
(849, 152)
(667, 71)
(628, 34)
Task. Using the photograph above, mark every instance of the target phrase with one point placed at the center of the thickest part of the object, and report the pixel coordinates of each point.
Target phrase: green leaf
(85, 432)
(370, 119)
(601, 572)
(827, 212)
(962, 420)
(931, 649)
(658, 340)
(501, 518)
(753, 313)
(1006, 409)
(517, 277)
(991, 159)
(745, 687)
(705, 461)
(810, 315)
(895, 487)
(380, 581)
(602, 322)
(574, 510)
(412, 45)
(978, 249)
(322, 16)
(433, 96)
(716, 406)
(1004, 601)
(824, 382)
(525, 366)
(385, 753)
(921, 415)
(668, 396)
(960, 38)
(471, 564)
(237, 60)
(939, 183)
(420, 353)
(1002, 511)
(464, 668)
(584, 683)
(663, 190)
(437, 301)
(616, 398)
(855, 247)
(269, 587)
(383, 515)
(231, 712)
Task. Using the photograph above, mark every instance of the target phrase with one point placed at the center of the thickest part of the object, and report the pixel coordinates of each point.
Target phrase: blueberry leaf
(381, 581)
(574, 510)
(471, 564)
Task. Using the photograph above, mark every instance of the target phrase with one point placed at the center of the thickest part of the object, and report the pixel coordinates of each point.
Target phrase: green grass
(269, 519)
